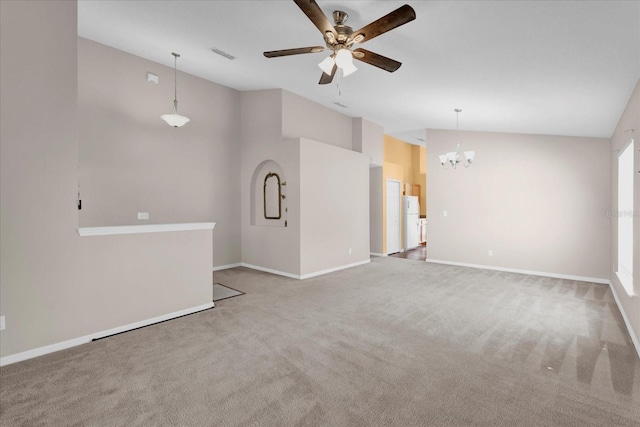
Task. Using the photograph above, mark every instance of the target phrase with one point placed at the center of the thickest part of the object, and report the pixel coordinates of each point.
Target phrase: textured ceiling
(543, 67)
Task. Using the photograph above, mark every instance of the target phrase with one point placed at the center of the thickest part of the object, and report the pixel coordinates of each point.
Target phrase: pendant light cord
(175, 82)
(457, 131)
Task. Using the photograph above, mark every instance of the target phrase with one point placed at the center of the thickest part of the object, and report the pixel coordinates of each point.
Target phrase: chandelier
(452, 158)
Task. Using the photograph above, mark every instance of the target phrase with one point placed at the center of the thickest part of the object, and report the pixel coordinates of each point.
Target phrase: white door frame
(389, 226)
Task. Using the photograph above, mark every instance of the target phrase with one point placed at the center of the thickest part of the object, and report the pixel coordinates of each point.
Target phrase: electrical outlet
(349, 251)
(490, 252)
(143, 215)
(2, 324)
(445, 213)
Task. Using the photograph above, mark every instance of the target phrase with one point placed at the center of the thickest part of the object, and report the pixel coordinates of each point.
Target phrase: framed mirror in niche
(272, 196)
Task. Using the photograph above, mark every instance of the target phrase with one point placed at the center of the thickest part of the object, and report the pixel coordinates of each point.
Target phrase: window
(625, 217)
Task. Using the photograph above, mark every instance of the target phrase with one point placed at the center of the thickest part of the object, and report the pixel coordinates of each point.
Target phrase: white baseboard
(377, 254)
(530, 272)
(227, 266)
(270, 270)
(632, 333)
(331, 270)
(304, 276)
(41, 351)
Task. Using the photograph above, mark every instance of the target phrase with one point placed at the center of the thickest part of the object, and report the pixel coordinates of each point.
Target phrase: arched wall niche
(268, 195)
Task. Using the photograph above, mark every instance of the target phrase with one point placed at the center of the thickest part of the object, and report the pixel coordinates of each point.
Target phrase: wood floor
(417, 253)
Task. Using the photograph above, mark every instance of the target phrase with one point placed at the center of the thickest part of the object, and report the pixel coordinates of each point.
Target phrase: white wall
(537, 201)
(334, 207)
(131, 161)
(630, 305)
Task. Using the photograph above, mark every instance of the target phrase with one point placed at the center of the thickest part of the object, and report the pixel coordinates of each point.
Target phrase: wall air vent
(222, 53)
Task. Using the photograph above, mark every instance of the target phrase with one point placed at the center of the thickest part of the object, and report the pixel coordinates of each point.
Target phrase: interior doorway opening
(394, 243)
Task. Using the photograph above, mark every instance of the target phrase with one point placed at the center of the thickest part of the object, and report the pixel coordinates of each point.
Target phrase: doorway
(393, 216)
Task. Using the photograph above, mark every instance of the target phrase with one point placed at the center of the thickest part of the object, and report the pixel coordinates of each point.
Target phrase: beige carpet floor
(392, 343)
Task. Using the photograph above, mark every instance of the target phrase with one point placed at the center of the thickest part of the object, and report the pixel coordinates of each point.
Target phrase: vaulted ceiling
(544, 67)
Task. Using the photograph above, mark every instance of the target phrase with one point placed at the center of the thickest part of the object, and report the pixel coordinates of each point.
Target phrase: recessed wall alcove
(269, 195)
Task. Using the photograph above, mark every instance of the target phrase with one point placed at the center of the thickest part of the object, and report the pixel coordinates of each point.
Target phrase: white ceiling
(542, 67)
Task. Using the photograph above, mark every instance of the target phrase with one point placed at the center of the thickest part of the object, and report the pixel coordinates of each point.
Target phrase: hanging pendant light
(452, 158)
(175, 119)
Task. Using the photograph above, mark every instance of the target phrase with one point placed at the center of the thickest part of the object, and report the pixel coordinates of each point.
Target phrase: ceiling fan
(340, 39)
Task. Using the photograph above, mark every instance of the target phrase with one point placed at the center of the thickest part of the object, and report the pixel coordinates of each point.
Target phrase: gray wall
(302, 118)
(274, 248)
(630, 120)
(368, 138)
(38, 170)
(334, 207)
(274, 121)
(55, 285)
(131, 161)
(536, 201)
(376, 205)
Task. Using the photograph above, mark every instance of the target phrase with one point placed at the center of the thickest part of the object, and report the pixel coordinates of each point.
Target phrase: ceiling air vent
(340, 105)
(222, 53)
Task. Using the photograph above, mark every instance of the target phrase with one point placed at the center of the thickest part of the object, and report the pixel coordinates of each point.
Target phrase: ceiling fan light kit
(344, 61)
(340, 39)
(175, 119)
(453, 158)
(327, 64)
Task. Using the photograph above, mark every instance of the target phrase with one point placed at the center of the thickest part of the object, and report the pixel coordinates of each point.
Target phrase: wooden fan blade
(316, 15)
(326, 78)
(398, 17)
(376, 60)
(297, 51)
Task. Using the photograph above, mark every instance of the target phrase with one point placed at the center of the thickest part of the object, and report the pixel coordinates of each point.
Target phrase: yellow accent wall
(419, 174)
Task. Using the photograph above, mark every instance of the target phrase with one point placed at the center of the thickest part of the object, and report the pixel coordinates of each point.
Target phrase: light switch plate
(2, 324)
(143, 215)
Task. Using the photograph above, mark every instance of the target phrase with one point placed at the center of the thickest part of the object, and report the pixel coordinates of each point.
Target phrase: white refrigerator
(411, 218)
